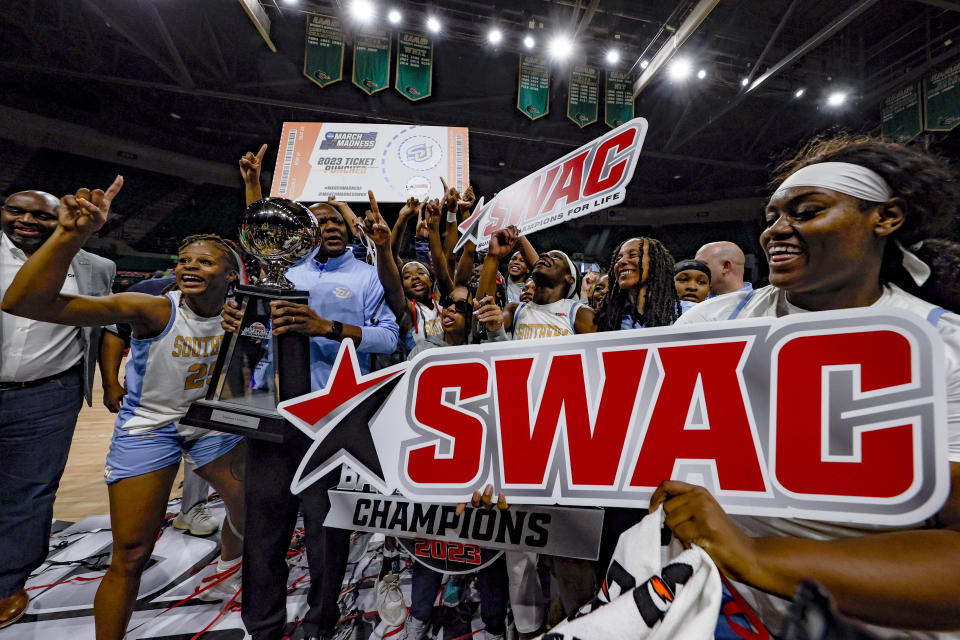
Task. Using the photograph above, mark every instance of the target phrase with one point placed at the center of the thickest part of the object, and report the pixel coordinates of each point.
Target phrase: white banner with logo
(586, 180)
(316, 160)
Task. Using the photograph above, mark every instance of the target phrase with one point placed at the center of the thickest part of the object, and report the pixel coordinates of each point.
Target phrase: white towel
(646, 597)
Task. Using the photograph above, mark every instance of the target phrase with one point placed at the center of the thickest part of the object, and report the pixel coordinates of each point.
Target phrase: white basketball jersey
(166, 373)
(426, 321)
(532, 320)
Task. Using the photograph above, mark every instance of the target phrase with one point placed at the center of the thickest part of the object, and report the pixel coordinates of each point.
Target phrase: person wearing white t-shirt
(46, 372)
(835, 237)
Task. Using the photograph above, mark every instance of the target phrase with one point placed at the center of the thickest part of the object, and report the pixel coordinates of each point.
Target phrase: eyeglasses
(460, 306)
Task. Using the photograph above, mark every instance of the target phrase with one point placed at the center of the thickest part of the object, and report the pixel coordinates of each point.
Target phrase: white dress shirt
(34, 349)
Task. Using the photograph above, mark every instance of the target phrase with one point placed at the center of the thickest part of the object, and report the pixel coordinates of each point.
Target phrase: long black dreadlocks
(661, 307)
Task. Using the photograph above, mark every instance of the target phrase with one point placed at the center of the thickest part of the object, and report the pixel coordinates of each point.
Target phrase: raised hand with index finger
(251, 164)
(86, 211)
(374, 225)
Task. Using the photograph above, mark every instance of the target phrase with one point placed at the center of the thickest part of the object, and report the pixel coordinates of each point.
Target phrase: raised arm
(530, 255)
(378, 231)
(465, 264)
(250, 165)
(396, 235)
(452, 234)
(438, 257)
(35, 291)
(501, 244)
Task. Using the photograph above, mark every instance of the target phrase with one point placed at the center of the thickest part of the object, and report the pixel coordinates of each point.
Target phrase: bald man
(45, 372)
(726, 261)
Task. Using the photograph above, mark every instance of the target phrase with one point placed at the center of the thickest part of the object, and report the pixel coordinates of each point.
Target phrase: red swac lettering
(537, 192)
(724, 438)
(569, 183)
(885, 466)
(594, 446)
(466, 431)
(596, 184)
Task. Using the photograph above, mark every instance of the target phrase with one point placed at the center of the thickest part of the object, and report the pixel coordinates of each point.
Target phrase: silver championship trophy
(255, 369)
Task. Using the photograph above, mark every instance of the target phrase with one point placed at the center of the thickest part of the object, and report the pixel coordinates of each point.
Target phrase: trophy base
(230, 418)
(249, 379)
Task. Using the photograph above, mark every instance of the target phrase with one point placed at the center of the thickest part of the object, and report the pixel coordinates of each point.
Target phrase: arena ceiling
(193, 76)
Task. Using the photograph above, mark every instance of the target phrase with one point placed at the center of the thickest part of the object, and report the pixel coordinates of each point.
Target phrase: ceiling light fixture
(836, 99)
(613, 56)
(680, 69)
(494, 36)
(394, 16)
(362, 10)
(528, 42)
(560, 47)
(433, 25)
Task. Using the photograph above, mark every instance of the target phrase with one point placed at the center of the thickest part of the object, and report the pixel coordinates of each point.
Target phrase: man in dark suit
(46, 370)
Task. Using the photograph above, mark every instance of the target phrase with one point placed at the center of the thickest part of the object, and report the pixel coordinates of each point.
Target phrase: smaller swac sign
(572, 533)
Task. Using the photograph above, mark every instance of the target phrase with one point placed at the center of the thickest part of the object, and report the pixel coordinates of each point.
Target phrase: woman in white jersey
(837, 228)
(176, 338)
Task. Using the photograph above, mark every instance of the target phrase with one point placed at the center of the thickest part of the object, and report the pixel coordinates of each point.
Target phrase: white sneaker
(227, 584)
(413, 629)
(197, 521)
(390, 603)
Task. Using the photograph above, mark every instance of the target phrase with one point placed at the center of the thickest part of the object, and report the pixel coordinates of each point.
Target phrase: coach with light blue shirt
(46, 370)
(346, 302)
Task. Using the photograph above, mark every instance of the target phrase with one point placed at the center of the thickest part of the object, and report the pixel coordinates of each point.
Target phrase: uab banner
(941, 95)
(900, 112)
(323, 57)
(584, 181)
(583, 92)
(837, 416)
(533, 87)
(371, 61)
(618, 101)
(414, 66)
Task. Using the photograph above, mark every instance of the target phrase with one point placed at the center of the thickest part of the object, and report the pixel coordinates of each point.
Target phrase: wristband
(452, 216)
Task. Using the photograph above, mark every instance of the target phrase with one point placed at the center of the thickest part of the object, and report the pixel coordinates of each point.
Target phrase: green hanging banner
(941, 95)
(323, 57)
(900, 113)
(618, 101)
(583, 94)
(414, 66)
(371, 61)
(533, 87)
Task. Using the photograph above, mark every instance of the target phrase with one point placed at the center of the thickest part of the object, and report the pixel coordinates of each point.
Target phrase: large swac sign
(837, 415)
(586, 180)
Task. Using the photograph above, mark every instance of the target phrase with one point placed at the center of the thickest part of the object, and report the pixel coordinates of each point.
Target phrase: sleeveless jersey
(532, 320)
(426, 322)
(166, 373)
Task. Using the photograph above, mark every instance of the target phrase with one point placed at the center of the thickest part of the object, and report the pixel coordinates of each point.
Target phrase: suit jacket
(94, 278)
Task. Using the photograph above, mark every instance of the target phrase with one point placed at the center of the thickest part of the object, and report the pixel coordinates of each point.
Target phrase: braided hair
(661, 305)
(926, 183)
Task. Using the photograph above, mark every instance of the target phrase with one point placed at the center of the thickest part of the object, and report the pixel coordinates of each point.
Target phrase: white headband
(418, 263)
(572, 289)
(859, 182)
(851, 179)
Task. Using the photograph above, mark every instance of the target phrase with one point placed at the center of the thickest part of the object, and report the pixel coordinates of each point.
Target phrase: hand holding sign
(503, 242)
(695, 517)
